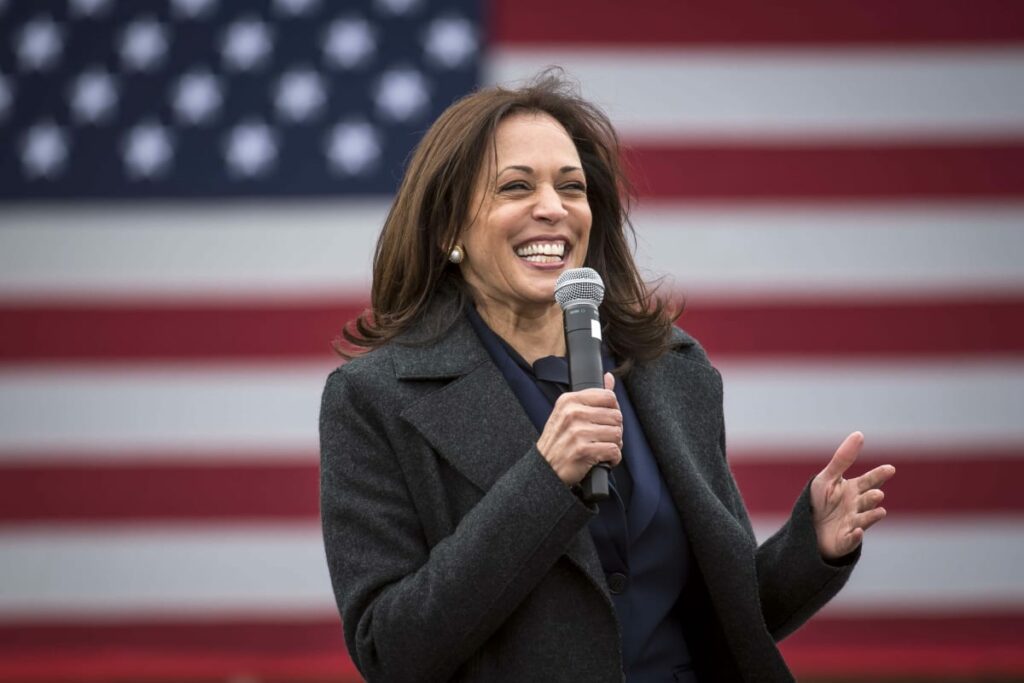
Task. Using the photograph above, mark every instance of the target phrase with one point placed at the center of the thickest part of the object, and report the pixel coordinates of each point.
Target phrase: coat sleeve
(411, 610)
(794, 580)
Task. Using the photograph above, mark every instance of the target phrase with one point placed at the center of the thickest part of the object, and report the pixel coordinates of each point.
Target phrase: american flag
(190, 191)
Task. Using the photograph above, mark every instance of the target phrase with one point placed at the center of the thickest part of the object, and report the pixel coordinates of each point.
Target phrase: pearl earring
(456, 254)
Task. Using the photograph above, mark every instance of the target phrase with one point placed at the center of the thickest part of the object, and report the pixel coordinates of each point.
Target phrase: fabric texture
(456, 553)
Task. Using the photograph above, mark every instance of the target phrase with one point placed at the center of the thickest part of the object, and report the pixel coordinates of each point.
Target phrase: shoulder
(685, 346)
(362, 382)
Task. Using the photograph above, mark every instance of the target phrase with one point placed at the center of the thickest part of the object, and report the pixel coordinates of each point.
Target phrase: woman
(457, 546)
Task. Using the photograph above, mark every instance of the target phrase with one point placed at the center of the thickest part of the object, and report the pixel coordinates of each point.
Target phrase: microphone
(579, 291)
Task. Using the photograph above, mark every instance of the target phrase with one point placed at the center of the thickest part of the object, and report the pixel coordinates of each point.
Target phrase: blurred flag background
(190, 191)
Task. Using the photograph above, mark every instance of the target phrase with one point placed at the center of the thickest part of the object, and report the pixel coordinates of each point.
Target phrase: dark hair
(434, 203)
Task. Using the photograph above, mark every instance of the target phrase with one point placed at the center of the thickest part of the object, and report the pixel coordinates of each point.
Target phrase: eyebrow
(529, 169)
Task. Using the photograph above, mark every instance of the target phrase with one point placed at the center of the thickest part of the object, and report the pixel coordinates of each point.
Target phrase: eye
(575, 186)
(514, 186)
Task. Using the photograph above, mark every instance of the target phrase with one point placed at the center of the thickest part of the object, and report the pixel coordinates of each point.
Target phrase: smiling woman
(452, 447)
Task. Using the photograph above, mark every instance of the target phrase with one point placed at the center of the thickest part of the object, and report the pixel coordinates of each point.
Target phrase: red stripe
(303, 329)
(148, 492)
(958, 483)
(176, 650)
(941, 646)
(775, 171)
(892, 327)
(800, 22)
(173, 331)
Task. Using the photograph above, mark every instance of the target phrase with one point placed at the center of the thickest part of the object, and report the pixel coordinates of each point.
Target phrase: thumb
(844, 456)
(609, 381)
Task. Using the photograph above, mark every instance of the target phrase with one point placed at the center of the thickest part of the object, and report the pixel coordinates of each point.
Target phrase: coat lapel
(677, 401)
(474, 421)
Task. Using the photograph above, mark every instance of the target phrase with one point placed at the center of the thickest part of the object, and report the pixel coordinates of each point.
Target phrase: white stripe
(937, 405)
(907, 566)
(189, 410)
(149, 411)
(75, 572)
(811, 251)
(190, 249)
(797, 94)
(255, 253)
(938, 565)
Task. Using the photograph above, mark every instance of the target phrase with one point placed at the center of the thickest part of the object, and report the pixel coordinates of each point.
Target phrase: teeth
(542, 248)
(541, 258)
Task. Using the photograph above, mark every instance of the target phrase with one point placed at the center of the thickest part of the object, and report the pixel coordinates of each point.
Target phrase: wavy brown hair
(434, 204)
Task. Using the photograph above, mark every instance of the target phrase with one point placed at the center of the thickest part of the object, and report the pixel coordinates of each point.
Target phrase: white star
(295, 8)
(398, 7)
(246, 44)
(401, 94)
(6, 96)
(38, 44)
(197, 97)
(192, 9)
(250, 149)
(349, 42)
(93, 96)
(44, 150)
(89, 8)
(450, 41)
(147, 150)
(353, 147)
(143, 44)
(299, 94)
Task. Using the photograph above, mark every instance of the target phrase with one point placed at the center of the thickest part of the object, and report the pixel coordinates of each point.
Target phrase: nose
(549, 207)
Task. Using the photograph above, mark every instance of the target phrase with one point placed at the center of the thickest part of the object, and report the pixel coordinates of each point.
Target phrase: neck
(533, 333)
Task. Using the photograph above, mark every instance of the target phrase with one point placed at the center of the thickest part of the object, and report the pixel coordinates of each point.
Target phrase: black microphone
(579, 291)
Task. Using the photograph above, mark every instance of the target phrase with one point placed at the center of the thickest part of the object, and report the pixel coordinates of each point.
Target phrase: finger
(603, 416)
(602, 434)
(609, 381)
(875, 478)
(601, 452)
(601, 398)
(844, 456)
(866, 520)
(870, 500)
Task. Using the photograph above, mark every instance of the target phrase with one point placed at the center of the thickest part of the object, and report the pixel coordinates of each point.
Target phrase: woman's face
(533, 220)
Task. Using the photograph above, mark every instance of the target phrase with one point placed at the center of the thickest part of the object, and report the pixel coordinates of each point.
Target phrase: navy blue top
(637, 531)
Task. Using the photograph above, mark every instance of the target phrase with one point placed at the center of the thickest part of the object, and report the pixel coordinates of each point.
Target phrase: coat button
(617, 583)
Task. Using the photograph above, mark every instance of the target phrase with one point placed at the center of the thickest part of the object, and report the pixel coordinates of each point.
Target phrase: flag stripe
(749, 22)
(972, 642)
(199, 330)
(85, 573)
(959, 644)
(81, 255)
(969, 483)
(193, 409)
(127, 493)
(666, 95)
(172, 649)
(735, 171)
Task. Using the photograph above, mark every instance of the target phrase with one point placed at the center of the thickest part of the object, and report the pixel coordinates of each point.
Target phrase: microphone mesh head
(579, 284)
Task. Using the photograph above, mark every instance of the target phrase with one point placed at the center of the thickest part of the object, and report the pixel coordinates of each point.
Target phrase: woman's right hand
(585, 428)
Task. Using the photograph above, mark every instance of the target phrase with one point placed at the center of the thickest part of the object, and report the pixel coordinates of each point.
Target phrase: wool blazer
(456, 552)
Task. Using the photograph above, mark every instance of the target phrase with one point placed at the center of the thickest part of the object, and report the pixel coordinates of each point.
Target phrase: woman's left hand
(845, 508)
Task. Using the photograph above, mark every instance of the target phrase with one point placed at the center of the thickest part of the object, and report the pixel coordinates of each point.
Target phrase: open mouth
(543, 252)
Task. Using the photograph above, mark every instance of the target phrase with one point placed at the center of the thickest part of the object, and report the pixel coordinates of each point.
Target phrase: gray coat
(456, 553)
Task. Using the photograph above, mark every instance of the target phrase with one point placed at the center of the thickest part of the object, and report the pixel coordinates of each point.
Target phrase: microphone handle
(583, 349)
